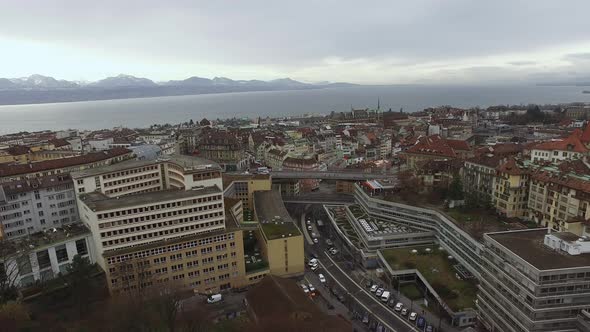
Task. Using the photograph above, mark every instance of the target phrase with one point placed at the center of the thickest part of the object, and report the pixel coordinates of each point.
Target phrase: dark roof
(529, 246)
(571, 143)
(47, 165)
(18, 150)
(97, 201)
(512, 166)
(23, 186)
(58, 142)
(432, 145)
(278, 303)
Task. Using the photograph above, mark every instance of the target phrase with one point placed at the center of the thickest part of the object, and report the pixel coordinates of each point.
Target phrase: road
(366, 300)
(334, 175)
(325, 198)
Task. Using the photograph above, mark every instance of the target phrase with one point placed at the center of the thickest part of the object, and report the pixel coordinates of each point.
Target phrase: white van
(214, 298)
(385, 296)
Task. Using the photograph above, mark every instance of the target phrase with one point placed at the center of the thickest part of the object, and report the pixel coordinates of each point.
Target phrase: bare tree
(10, 259)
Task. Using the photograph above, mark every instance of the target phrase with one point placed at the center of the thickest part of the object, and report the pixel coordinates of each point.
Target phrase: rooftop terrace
(43, 239)
(272, 215)
(438, 270)
(529, 246)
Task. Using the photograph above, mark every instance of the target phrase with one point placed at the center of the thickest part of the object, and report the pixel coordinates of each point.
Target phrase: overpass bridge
(331, 175)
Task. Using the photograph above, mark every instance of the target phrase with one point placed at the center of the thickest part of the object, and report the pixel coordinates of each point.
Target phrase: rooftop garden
(341, 219)
(436, 267)
(275, 230)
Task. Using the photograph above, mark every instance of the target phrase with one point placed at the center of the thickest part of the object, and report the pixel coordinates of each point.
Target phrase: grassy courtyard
(438, 271)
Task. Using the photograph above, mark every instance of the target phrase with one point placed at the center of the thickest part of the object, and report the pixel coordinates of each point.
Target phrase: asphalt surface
(340, 279)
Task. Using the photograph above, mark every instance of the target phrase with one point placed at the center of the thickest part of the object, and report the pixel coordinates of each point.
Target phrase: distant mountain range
(44, 89)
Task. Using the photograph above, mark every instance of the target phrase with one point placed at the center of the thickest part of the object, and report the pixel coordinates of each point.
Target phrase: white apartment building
(34, 205)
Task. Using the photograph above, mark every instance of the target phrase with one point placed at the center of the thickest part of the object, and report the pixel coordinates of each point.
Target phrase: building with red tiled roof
(64, 165)
(511, 186)
(563, 149)
(435, 147)
(585, 137)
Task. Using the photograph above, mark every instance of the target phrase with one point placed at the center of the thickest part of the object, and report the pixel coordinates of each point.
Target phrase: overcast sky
(369, 42)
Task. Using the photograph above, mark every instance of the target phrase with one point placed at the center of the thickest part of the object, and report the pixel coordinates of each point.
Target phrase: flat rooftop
(228, 178)
(189, 163)
(99, 202)
(47, 238)
(128, 164)
(529, 246)
(273, 216)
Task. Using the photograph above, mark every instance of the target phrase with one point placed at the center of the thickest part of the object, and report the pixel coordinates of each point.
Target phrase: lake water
(145, 111)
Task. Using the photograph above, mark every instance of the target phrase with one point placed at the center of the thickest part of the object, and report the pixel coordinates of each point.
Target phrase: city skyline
(385, 43)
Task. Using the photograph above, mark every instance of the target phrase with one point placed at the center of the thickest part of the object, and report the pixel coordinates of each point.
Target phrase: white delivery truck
(385, 296)
(214, 298)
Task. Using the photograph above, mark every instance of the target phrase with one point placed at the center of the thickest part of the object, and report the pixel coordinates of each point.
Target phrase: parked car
(413, 316)
(366, 318)
(322, 278)
(398, 307)
(315, 267)
(309, 222)
(334, 251)
(373, 288)
(404, 312)
(329, 242)
(305, 289)
(309, 228)
(421, 322)
(315, 240)
(379, 292)
(429, 328)
(311, 288)
(312, 262)
(391, 302)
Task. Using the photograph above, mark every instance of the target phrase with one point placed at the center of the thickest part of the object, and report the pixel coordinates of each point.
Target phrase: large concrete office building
(161, 223)
(533, 280)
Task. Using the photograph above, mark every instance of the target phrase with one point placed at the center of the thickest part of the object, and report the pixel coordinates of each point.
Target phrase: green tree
(456, 189)
(81, 282)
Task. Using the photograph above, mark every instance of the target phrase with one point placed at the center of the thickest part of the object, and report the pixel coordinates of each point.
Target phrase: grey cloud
(522, 63)
(291, 35)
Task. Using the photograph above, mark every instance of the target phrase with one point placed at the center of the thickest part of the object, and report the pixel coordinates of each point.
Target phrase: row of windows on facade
(41, 213)
(158, 207)
(43, 260)
(171, 248)
(133, 186)
(31, 229)
(190, 264)
(158, 225)
(127, 172)
(166, 215)
(206, 281)
(131, 179)
(37, 194)
(218, 224)
(177, 268)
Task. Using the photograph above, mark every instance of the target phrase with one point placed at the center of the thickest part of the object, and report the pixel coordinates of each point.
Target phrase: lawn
(276, 230)
(438, 271)
(411, 291)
